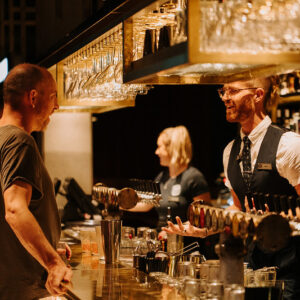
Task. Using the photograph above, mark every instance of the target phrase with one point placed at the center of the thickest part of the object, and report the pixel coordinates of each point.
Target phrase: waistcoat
(265, 177)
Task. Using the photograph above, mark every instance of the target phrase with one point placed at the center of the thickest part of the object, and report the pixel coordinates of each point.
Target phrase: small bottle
(207, 219)
(214, 221)
(278, 117)
(235, 225)
(286, 122)
(228, 223)
(284, 89)
(291, 84)
(221, 221)
(243, 228)
(197, 216)
(202, 218)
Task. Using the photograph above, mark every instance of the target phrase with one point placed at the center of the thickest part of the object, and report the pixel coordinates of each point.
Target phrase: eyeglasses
(232, 91)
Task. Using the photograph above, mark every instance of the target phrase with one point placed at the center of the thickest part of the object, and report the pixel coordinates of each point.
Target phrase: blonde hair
(178, 144)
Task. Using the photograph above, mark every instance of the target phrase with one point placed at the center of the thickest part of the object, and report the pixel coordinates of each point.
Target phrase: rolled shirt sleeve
(288, 157)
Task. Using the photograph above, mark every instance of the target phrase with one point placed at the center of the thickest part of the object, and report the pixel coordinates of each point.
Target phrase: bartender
(180, 183)
(263, 158)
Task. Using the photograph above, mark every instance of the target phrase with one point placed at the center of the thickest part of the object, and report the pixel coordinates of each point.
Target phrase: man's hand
(58, 273)
(185, 229)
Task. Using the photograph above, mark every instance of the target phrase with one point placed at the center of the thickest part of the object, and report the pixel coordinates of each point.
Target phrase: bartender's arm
(236, 202)
(26, 228)
(140, 207)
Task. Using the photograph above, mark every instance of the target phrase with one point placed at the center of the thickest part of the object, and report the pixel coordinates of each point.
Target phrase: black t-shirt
(178, 193)
(21, 276)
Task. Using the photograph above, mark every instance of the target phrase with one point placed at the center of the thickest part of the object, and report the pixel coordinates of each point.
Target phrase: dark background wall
(125, 140)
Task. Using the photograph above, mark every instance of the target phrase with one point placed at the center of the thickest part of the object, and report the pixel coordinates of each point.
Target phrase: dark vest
(265, 178)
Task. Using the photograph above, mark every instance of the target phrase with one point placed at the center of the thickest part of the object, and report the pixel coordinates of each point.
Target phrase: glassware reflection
(250, 26)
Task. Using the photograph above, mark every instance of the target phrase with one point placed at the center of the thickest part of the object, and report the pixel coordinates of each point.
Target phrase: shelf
(289, 99)
(190, 64)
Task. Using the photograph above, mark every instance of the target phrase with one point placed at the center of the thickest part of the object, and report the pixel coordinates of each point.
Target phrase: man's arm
(236, 202)
(26, 228)
(205, 197)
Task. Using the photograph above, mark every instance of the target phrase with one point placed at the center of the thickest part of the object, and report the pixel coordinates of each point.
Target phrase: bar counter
(93, 279)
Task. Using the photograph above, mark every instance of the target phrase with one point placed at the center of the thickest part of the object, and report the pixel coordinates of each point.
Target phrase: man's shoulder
(229, 146)
(290, 141)
(12, 134)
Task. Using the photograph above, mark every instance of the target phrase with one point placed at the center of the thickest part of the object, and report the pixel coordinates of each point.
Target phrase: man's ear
(259, 95)
(33, 97)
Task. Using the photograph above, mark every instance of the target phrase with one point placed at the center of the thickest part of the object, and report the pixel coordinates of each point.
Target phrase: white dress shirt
(287, 157)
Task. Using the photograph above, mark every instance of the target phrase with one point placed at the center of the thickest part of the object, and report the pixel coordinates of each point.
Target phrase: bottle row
(289, 84)
(240, 224)
(288, 119)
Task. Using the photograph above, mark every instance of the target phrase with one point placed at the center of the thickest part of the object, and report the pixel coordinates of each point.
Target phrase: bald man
(30, 267)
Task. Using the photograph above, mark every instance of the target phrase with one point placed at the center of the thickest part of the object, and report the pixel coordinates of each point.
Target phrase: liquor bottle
(283, 88)
(279, 117)
(228, 223)
(207, 219)
(197, 216)
(221, 221)
(291, 84)
(191, 214)
(235, 225)
(202, 218)
(214, 220)
(286, 121)
(243, 228)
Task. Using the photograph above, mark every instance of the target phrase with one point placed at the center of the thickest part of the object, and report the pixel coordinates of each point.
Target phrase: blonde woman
(180, 183)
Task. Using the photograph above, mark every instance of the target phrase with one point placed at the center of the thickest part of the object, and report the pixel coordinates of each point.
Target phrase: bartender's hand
(162, 235)
(58, 272)
(185, 229)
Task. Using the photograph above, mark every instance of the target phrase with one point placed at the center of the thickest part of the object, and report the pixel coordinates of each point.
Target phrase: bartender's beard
(239, 114)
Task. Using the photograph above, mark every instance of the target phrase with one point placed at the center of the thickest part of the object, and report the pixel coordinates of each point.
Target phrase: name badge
(264, 166)
(176, 190)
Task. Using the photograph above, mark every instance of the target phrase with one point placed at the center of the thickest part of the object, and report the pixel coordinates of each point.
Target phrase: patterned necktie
(246, 161)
